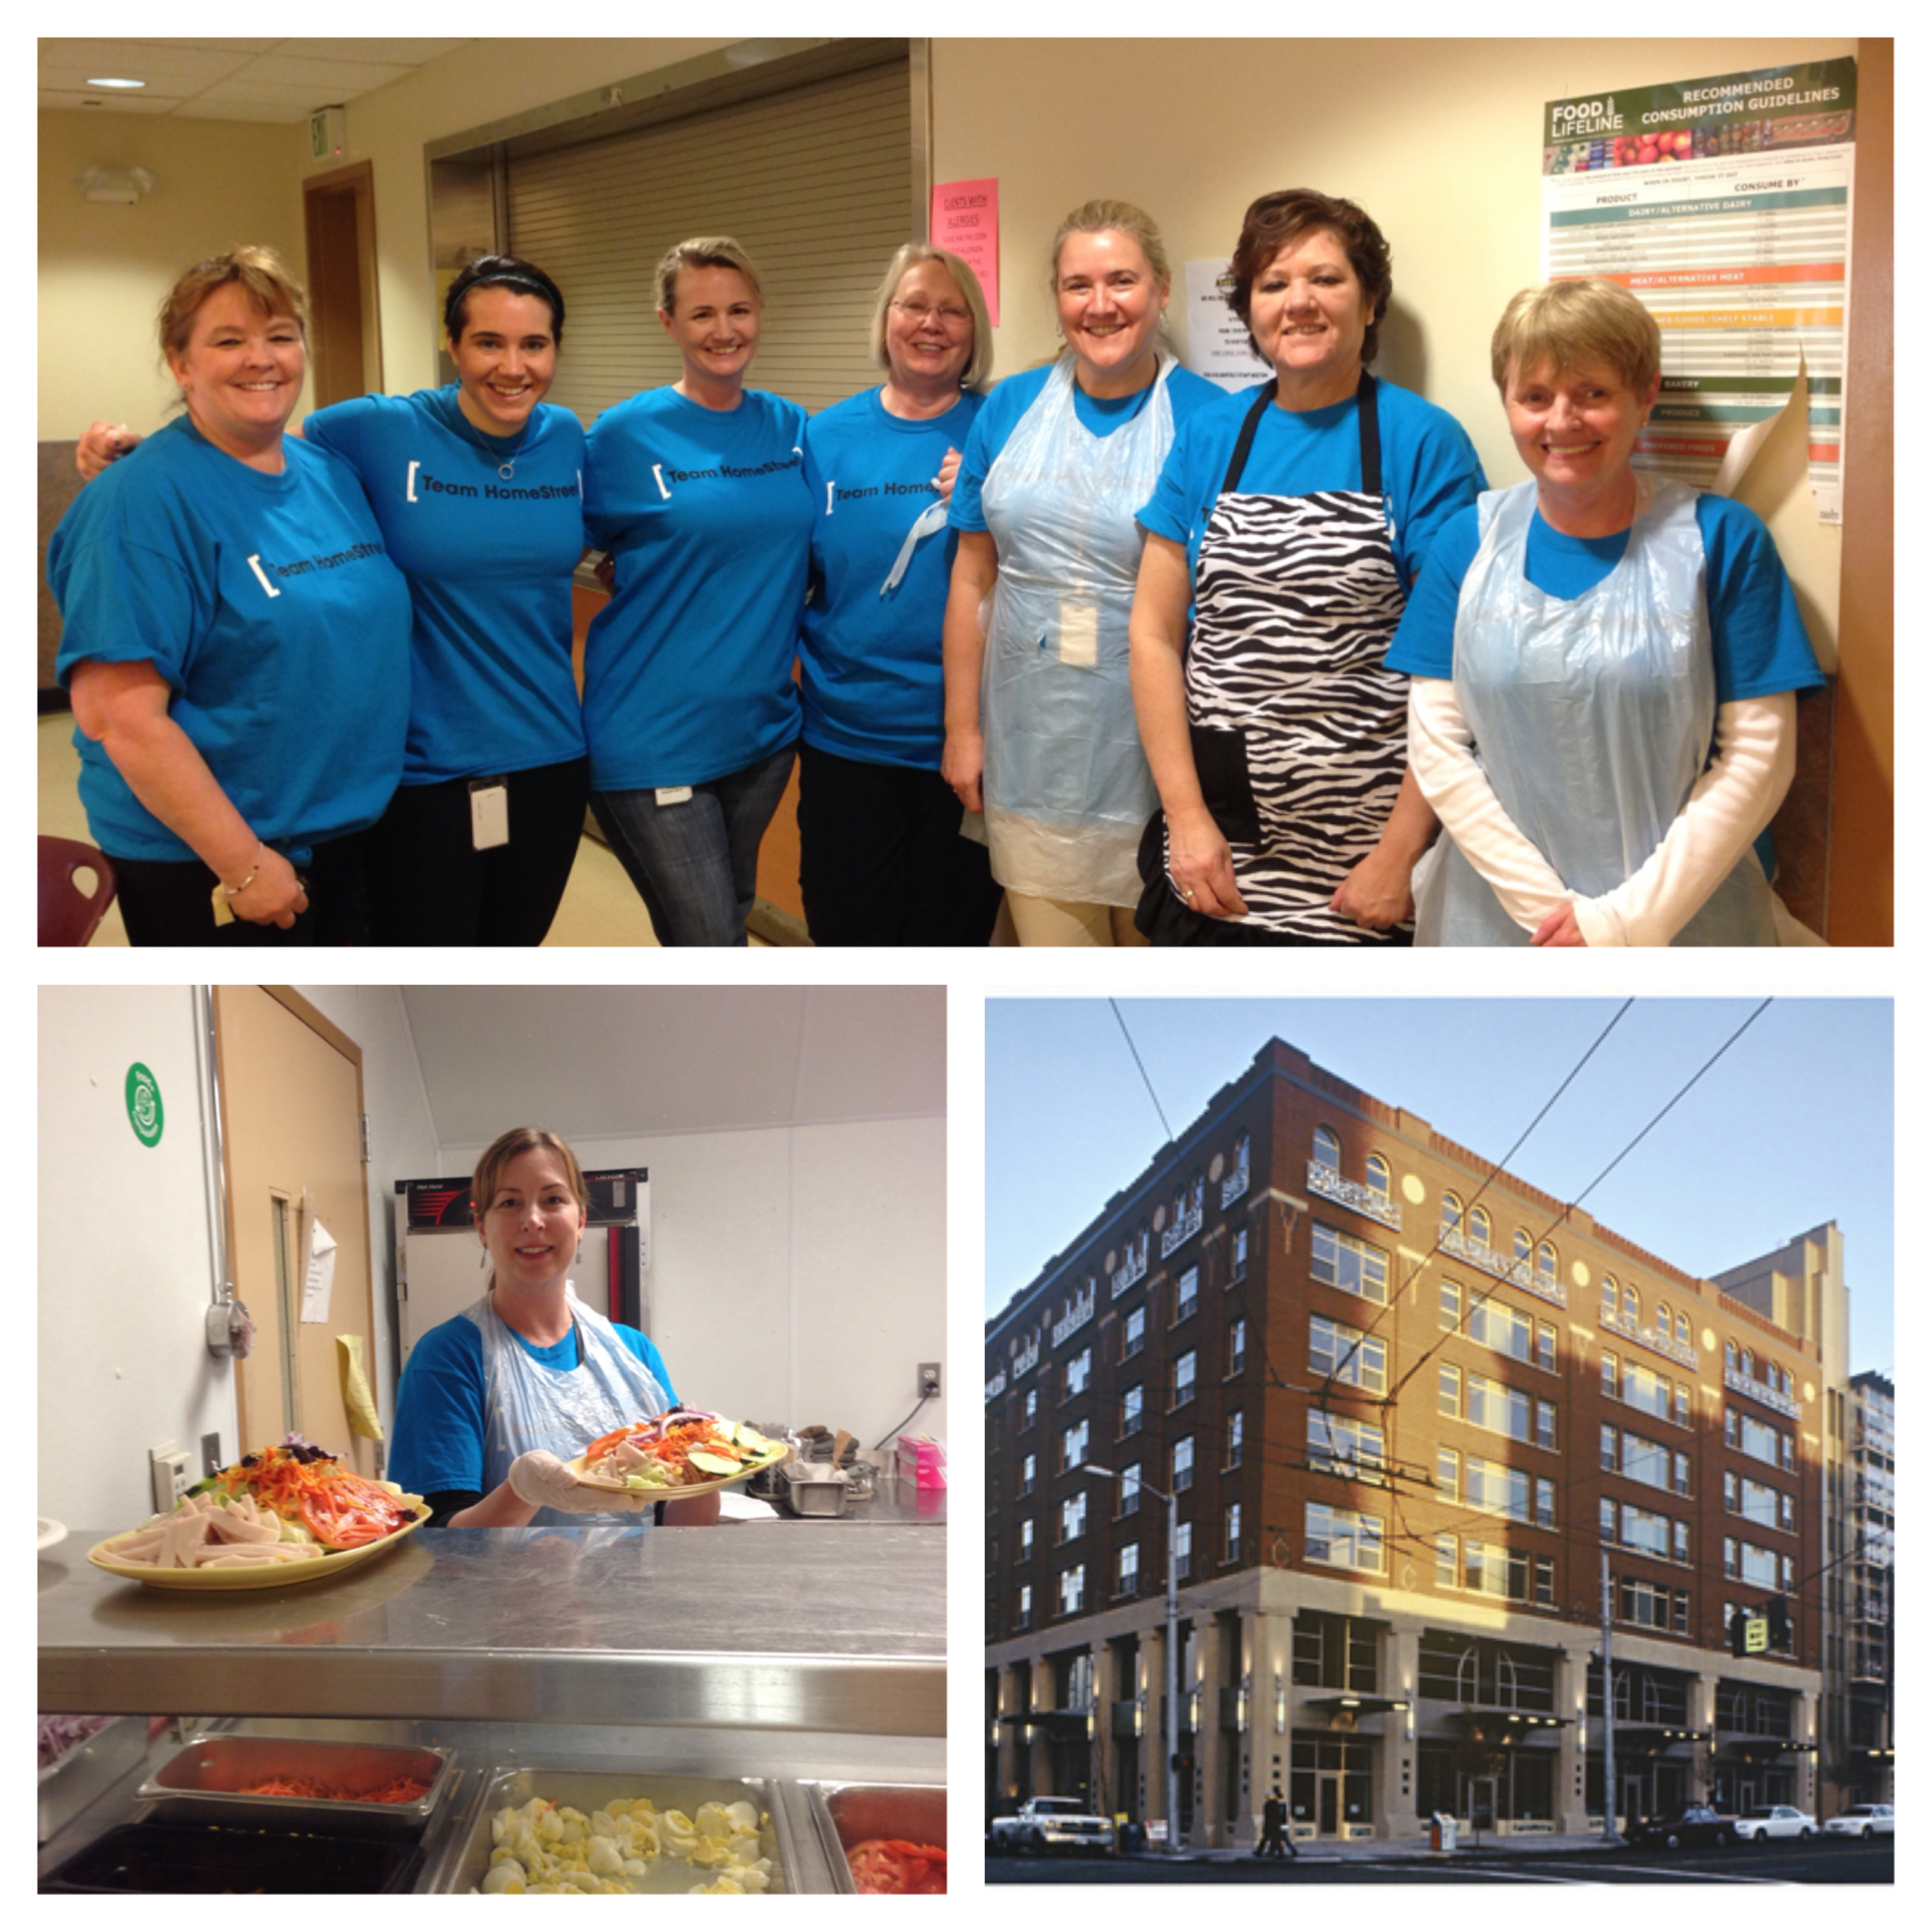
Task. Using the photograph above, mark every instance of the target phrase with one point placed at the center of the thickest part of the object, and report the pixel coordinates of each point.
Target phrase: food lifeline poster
(1725, 206)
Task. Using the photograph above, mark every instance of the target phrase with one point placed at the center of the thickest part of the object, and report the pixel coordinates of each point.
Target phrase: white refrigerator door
(441, 1276)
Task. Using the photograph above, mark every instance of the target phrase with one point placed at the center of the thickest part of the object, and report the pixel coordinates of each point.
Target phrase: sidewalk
(1347, 1851)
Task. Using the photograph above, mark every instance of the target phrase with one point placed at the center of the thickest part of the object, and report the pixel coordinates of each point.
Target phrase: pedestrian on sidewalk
(1274, 1816)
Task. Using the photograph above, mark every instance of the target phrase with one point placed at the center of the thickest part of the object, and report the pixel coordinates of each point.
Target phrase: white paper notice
(320, 1278)
(1216, 337)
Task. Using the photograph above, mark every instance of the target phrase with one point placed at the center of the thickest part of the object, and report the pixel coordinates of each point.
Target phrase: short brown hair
(505, 1148)
(1275, 221)
(264, 279)
(707, 252)
(1575, 325)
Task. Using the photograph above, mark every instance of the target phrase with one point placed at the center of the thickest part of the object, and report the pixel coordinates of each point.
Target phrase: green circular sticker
(144, 1104)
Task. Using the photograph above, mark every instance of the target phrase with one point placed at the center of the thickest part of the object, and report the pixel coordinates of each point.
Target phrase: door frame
(320, 1024)
(332, 306)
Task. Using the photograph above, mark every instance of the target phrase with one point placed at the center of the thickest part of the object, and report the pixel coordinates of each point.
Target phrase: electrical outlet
(172, 1473)
(928, 1378)
(212, 1454)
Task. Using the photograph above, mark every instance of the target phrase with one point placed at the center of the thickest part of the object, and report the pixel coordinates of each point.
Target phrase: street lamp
(1173, 1673)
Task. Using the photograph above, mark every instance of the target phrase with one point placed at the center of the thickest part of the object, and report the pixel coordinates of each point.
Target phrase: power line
(1135, 1052)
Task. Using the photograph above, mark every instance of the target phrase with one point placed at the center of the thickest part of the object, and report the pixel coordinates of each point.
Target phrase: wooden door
(292, 1138)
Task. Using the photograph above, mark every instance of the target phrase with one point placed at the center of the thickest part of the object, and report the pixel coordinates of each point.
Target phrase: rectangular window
(1680, 1468)
(1497, 1325)
(1184, 1378)
(1238, 1271)
(1445, 1562)
(1447, 1465)
(1646, 1531)
(1184, 1549)
(1755, 1438)
(1641, 1602)
(1236, 1344)
(1341, 1262)
(1607, 1518)
(1607, 1445)
(1230, 1548)
(1755, 1502)
(1546, 1581)
(1546, 1502)
(1545, 1346)
(1130, 1408)
(1079, 1371)
(1646, 1462)
(1073, 1589)
(1681, 1612)
(1073, 1446)
(1493, 1486)
(1073, 1516)
(1185, 1293)
(1646, 1391)
(1448, 1389)
(1449, 1299)
(1344, 1446)
(1755, 1567)
(1679, 1541)
(1233, 1441)
(1132, 1333)
(1183, 1464)
(1129, 1569)
(1029, 1469)
(1681, 1407)
(1496, 1571)
(1130, 1488)
(1610, 1373)
(1344, 1539)
(1346, 1354)
(1546, 1425)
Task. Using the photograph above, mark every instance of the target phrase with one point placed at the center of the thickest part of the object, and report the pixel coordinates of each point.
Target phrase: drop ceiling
(226, 80)
(620, 1061)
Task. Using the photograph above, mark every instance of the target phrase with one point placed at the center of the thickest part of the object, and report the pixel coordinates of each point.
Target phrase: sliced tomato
(897, 1865)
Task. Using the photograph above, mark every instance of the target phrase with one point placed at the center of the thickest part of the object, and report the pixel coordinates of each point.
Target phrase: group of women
(1157, 664)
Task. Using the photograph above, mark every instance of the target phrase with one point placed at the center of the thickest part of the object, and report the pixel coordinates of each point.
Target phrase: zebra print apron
(1300, 733)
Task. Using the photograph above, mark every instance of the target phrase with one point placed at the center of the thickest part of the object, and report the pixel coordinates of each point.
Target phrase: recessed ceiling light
(105, 81)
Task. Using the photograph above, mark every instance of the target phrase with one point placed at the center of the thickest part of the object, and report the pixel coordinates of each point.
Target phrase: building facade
(1424, 1426)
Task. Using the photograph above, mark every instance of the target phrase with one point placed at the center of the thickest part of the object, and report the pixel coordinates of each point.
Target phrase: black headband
(512, 276)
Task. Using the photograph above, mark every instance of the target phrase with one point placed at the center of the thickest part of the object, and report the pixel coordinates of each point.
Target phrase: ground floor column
(1573, 1746)
(1395, 1678)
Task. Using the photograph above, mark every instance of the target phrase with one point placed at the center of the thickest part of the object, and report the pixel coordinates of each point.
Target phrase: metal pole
(1610, 1722)
(1174, 1684)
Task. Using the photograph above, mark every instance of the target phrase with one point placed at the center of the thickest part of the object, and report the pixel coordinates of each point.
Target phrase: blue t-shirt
(1187, 396)
(688, 669)
(873, 685)
(439, 1405)
(1430, 469)
(270, 607)
(1758, 643)
(488, 560)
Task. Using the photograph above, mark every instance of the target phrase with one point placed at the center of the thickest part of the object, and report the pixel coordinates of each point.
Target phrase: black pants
(430, 886)
(169, 903)
(882, 862)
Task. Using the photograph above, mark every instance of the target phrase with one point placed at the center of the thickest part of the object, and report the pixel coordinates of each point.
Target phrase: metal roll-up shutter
(815, 184)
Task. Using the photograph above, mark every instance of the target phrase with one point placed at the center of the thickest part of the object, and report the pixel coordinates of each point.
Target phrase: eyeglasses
(948, 312)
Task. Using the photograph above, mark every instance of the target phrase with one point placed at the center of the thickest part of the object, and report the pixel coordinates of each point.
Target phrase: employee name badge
(489, 813)
(1080, 636)
(674, 794)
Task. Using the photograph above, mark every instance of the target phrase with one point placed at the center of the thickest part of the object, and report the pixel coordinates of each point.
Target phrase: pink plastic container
(922, 1461)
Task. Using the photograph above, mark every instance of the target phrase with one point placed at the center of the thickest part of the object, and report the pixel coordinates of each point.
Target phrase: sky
(1792, 1127)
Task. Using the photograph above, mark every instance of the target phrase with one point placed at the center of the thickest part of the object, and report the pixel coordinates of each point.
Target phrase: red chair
(70, 913)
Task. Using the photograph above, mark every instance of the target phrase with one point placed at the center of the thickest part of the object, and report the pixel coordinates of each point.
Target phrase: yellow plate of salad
(685, 1452)
(289, 1515)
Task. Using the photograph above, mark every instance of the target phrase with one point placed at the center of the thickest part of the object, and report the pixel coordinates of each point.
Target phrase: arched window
(1327, 1149)
(1479, 1225)
(1664, 1319)
(1451, 1215)
(1748, 1363)
(1522, 1247)
(1379, 1176)
(1731, 1356)
(1546, 1262)
(1633, 1306)
(1683, 1328)
(1610, 1297)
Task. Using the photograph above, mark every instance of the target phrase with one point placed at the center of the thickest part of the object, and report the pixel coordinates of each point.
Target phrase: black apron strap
(1245, 440)
(1370, 430)
(1368, 425)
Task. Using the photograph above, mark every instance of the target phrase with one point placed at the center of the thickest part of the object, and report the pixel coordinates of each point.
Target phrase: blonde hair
(979, 364)
(262, 277)
(1091, 218)
(710, 252)
(505, 1148)
(1574, 325)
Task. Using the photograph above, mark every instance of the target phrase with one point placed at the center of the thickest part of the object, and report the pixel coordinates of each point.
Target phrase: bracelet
(236, 891)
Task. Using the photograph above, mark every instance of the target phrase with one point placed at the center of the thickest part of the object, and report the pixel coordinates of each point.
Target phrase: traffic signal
(1777, 1613)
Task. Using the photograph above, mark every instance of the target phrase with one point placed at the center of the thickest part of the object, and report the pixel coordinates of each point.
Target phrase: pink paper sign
(966, 220)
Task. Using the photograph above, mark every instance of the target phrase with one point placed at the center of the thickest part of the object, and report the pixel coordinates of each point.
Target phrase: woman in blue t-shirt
(880, 859)
(478, 491)
(236, 640)
(698, 490)
(1038, 716)
(1605, 667)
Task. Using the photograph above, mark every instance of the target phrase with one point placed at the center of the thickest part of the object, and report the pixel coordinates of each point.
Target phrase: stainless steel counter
(742, 1628)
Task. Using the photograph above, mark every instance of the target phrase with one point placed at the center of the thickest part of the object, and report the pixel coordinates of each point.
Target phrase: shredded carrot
(401, 1791)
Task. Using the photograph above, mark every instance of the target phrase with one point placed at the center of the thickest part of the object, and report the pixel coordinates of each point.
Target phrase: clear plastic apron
(1066, 783)
(1592, 717)
(528, 1406)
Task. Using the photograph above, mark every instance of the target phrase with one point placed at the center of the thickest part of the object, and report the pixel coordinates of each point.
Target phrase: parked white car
(1775, 1821)
(1861, 1821)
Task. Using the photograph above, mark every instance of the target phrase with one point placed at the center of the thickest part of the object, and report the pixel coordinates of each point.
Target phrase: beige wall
(105, 268)
(1438, 139)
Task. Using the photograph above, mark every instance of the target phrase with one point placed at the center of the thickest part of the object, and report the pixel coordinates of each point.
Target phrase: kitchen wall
(126, 1263)
(799, 1272)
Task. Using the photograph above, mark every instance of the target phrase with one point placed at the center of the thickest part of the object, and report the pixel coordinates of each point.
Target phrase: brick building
(1410, 1413)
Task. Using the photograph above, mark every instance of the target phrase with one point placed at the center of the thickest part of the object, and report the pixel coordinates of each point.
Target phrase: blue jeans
(696, 864)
